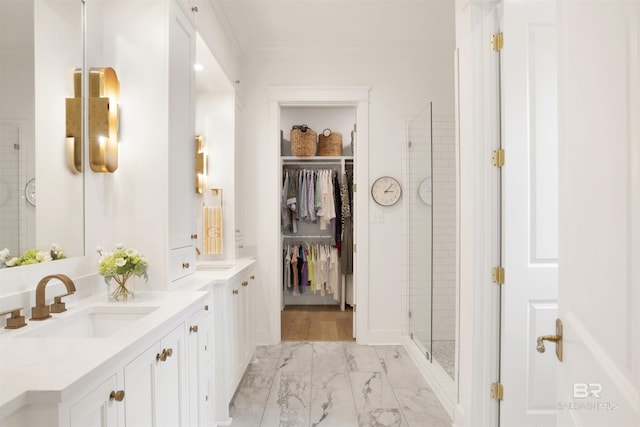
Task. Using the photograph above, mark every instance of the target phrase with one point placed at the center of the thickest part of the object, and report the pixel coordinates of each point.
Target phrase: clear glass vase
(121, 288)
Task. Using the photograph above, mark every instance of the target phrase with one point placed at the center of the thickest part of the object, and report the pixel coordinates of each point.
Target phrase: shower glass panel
(419, 227)
(431, 178)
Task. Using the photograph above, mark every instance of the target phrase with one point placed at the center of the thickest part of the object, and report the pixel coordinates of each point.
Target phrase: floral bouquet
(120, 265)
(31, 256)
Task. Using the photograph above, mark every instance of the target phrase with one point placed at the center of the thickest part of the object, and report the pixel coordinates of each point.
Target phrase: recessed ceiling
(259, 25)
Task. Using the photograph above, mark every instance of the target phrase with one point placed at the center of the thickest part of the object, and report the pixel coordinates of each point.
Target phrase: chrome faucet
(41, 310)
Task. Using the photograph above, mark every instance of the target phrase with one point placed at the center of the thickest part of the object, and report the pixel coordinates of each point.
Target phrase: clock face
(425, 191)
(386, 191)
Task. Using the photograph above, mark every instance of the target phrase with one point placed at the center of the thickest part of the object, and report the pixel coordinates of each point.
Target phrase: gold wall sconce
(201, 165)
(104, 97)
(73, 134)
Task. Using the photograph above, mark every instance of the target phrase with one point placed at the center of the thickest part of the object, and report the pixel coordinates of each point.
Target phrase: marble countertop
(44, 370)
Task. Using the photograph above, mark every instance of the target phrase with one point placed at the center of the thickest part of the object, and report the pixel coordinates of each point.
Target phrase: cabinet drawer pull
(245, 284)
(194, 236)
(118, 396)
(193, 328)
(162, 357)
(252, 277)
(206, 307)
(185, 265)
(235, 292)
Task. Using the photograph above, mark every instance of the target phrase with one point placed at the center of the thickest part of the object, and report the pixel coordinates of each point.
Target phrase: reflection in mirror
(431, 174)
(41, 200)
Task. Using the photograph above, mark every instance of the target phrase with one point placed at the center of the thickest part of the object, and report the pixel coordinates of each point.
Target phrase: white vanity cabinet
(199, 332)
(155, 384)
(99, 407)
(235, 339)
(182, 236)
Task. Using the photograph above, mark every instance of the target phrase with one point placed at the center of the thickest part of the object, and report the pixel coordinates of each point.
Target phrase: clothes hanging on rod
(311, 268)
(312, 196)
(346, 244)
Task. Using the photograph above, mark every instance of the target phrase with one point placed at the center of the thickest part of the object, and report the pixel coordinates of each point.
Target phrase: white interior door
(599, 188)
(530, 206)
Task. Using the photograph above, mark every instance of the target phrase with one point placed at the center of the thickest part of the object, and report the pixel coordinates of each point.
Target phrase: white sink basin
(213, 267)
(91, 322)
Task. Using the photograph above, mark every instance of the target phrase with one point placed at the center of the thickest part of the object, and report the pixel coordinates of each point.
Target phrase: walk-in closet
(317, 164)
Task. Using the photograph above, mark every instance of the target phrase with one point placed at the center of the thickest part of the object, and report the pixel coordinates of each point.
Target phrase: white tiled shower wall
(433, 311)
(13, 230)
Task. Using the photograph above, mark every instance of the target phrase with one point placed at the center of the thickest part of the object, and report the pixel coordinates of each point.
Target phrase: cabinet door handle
(206, 307)
(194, 236)
(245, 284)
(185, 265)
(118, 396)
(235, 292)
(252, 277)
(193, 328)
(162, 357)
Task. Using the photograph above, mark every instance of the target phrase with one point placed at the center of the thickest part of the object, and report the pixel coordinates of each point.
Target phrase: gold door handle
(557, 338)
(193, 328)
(118, 396)
(235, 292)
(245, 284)
(194, 236)
(162, 357)
(252, 277)
(185, 265)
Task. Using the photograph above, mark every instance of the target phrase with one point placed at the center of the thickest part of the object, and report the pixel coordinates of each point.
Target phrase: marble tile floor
(335, 384)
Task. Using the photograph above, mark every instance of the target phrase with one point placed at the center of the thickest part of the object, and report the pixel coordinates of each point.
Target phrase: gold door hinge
(355, 188)
(354, 308)
(498, 157)
(497, 42)
(498, 275)
(497, 391)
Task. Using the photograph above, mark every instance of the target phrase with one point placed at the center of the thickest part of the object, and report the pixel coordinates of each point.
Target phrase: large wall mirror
(41, 199)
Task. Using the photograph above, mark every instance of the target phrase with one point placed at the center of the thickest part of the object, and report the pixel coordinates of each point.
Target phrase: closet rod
(313, 163)
(306, 237)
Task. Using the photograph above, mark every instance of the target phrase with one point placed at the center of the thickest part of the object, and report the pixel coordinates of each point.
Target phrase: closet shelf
(316, 159)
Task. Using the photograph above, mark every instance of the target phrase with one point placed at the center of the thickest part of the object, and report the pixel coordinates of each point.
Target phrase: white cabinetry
(235, 339)
(98, 407)
(155, 384)
(200, 366)
(181, 143)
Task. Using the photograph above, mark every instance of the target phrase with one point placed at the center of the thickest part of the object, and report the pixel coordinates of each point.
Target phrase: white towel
(212, 230)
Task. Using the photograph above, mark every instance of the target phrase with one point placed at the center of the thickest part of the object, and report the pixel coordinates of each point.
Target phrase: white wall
(215, 121)
(59, 207)
(402, 83)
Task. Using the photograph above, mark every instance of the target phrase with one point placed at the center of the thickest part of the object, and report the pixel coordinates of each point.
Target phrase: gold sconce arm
(104, 98)
(201, 165)
(73, 109)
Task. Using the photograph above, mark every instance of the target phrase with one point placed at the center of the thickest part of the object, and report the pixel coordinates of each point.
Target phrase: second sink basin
(91, 322)
(213, 267)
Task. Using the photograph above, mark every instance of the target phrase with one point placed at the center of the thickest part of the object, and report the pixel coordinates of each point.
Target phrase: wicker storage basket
(330, 143)
(304, 141)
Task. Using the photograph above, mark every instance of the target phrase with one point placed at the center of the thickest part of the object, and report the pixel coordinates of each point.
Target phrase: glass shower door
(419, 229)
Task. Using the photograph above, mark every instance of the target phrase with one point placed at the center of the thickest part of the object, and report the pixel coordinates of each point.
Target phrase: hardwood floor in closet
(316, 323)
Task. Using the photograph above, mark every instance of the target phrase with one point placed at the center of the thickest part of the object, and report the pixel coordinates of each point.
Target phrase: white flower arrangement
(119, 266)
(31, 256)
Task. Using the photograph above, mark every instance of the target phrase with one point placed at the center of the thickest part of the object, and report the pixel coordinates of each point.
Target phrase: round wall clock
(386, 191)
(30, 191)
(424, 191)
